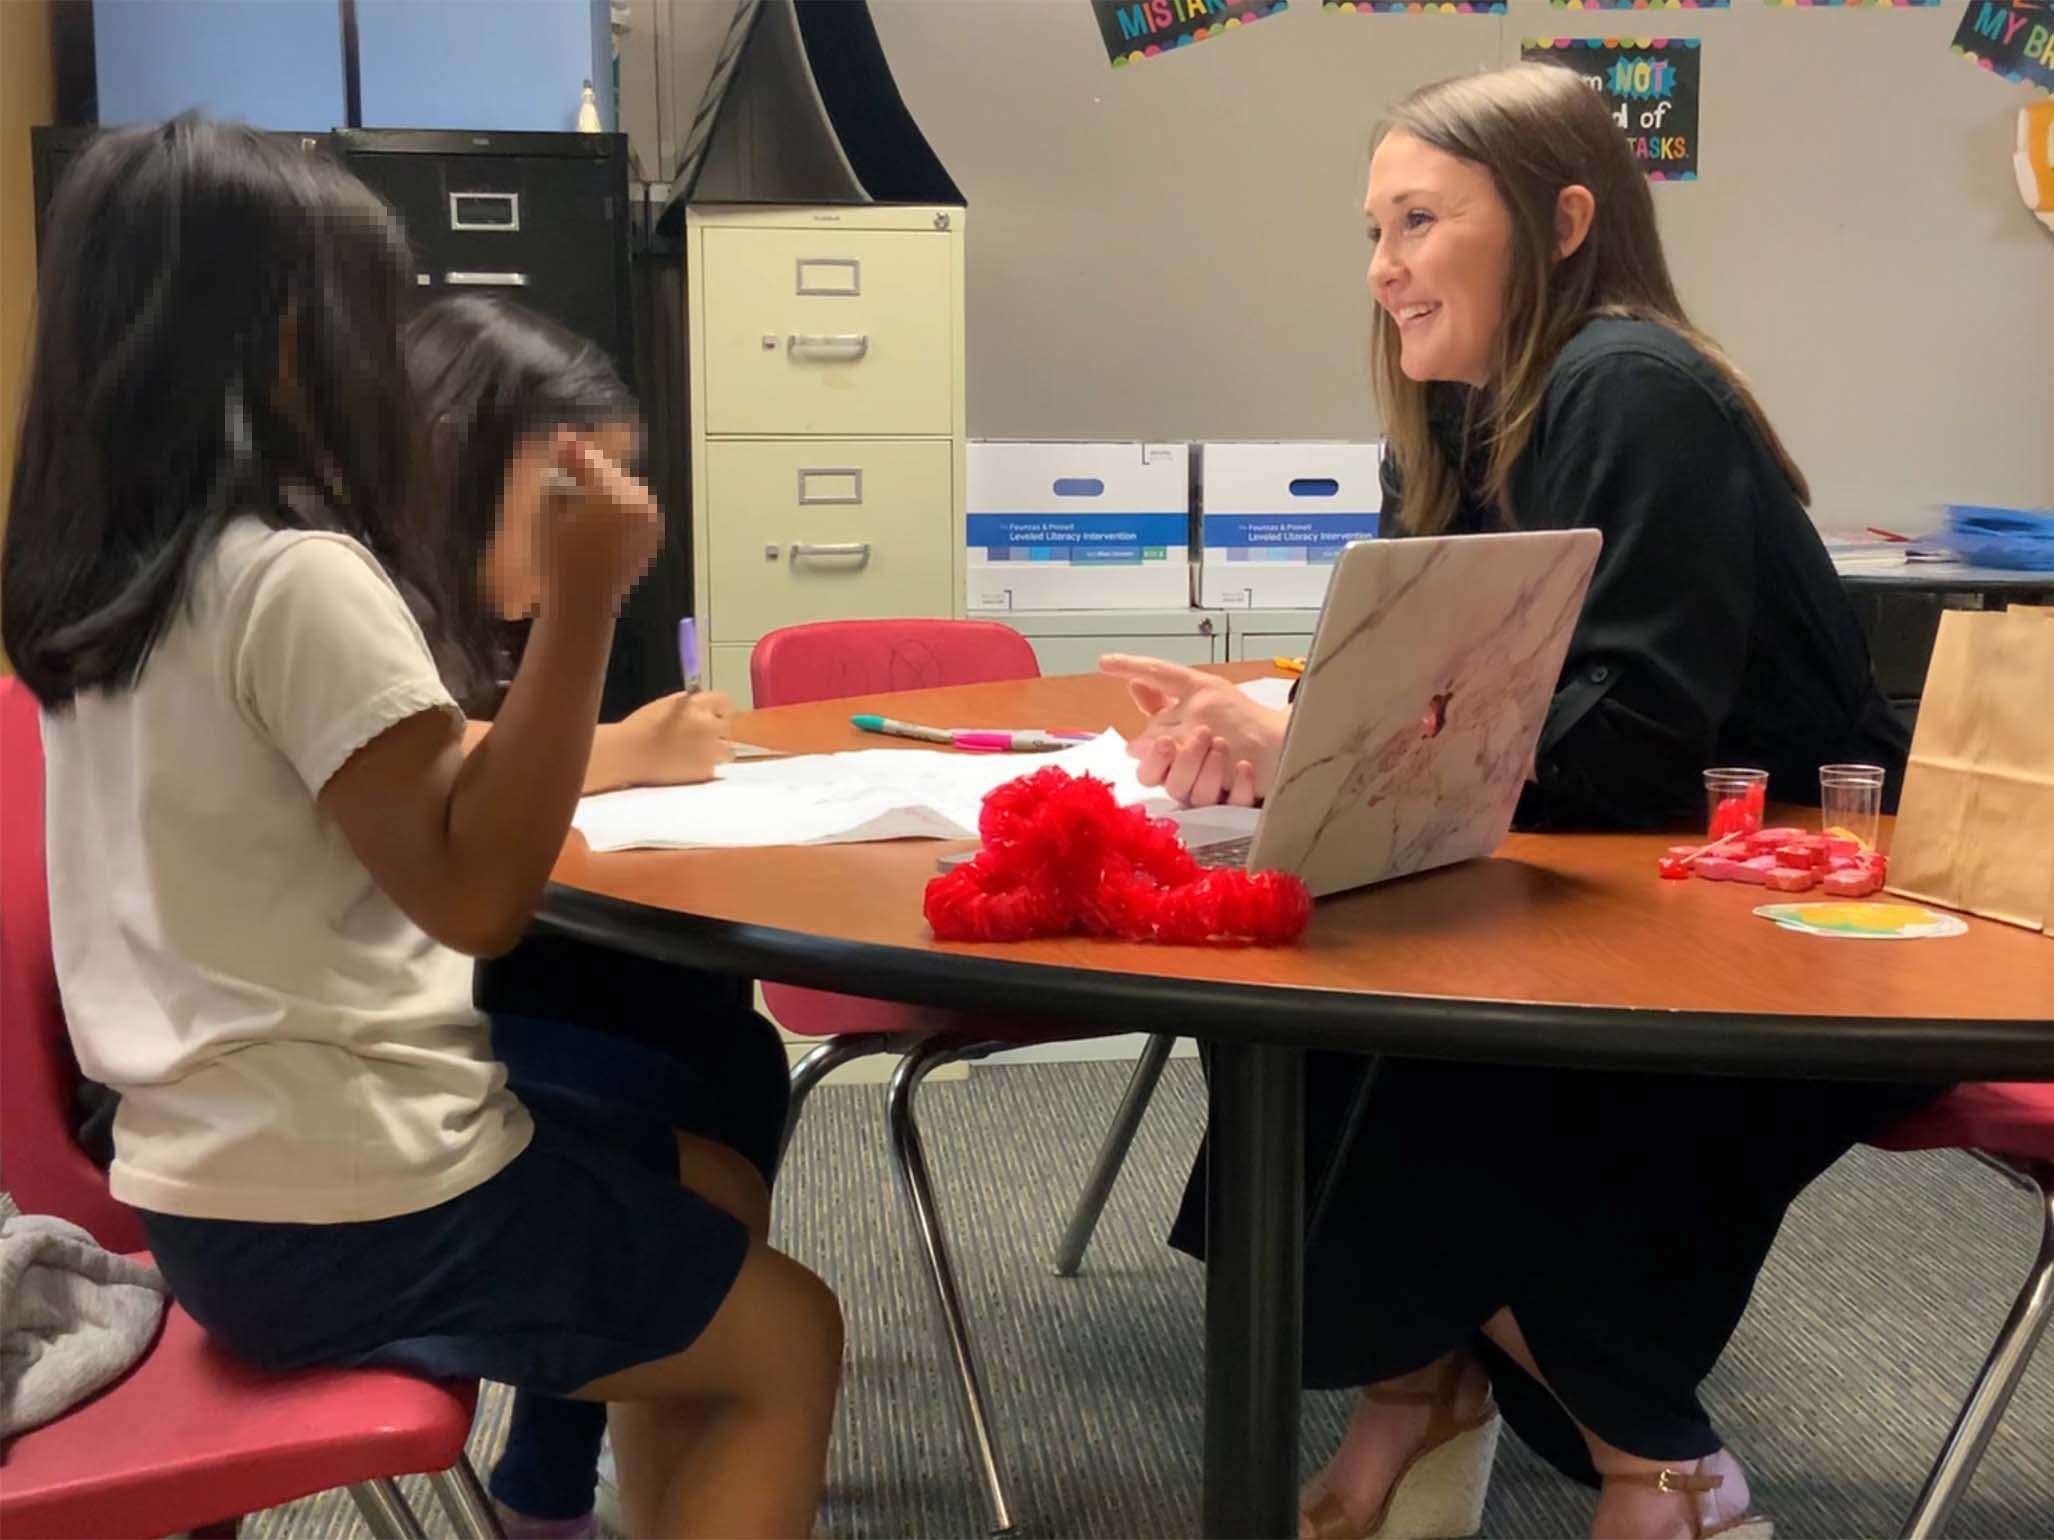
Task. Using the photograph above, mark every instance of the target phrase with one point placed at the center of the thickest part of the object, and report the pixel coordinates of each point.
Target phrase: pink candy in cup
(1734, 800)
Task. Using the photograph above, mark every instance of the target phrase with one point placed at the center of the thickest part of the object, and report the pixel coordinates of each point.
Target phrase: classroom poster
(1854, 5)
(1650, 85)
(1657, 5)
(1134, 30)
(2012, 38)
(1420, 7)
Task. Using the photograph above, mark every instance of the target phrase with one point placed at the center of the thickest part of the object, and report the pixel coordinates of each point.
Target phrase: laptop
(1418, 712)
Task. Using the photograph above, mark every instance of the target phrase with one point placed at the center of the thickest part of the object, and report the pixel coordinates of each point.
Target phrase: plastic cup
(1851, 802)
(1734, 799)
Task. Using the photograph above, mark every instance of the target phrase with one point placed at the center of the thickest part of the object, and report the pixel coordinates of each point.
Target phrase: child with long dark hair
(494, 381)
(269, 851)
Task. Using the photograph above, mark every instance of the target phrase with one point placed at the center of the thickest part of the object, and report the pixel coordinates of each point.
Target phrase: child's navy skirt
(582, 1257)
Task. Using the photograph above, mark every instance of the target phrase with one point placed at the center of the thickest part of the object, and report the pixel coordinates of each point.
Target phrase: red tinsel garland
(1061, 855)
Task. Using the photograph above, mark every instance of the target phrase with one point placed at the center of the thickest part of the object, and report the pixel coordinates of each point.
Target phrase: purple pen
(688, 652)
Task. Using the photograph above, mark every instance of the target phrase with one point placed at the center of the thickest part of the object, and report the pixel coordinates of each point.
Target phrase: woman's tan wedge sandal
(1438, 1493)
(1696, 1485)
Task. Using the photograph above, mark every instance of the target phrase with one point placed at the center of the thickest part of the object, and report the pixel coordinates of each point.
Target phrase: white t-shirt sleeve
(328, 656)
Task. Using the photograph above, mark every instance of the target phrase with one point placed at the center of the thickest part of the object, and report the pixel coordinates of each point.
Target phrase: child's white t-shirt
(288, 1045)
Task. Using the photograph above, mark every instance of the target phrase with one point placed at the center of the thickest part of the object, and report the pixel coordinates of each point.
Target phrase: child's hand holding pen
(674, 741)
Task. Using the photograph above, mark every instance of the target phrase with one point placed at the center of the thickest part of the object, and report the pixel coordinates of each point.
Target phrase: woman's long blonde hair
(1536, 128)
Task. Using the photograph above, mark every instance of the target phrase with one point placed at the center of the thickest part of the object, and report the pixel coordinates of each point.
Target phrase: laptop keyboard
(1225, 853)
(1230, 854)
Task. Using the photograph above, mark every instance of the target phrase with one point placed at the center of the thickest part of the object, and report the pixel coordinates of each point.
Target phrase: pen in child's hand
(688, 653)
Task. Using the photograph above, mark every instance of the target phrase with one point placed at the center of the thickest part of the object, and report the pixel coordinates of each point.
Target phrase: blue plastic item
(2001, 537)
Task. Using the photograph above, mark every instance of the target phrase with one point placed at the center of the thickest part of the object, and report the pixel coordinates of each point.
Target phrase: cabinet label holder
(833, 276)
(830, 485)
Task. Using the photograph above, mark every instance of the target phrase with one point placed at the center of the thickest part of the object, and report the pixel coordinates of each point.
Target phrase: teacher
(1574, 1248)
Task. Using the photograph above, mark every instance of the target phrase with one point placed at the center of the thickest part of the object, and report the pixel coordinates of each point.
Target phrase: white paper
(1271, 692)
(829, 799)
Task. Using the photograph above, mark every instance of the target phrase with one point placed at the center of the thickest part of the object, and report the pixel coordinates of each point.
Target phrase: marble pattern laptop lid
(1421, 704)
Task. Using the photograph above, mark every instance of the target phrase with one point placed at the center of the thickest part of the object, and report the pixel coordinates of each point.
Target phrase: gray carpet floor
(1872, 1317)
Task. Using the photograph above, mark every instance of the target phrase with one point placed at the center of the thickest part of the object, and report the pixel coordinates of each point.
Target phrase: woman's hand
(674, 741)
(1205, 741)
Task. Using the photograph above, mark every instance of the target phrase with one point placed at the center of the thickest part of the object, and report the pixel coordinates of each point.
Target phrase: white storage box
(1276, 515)
(1077, 526)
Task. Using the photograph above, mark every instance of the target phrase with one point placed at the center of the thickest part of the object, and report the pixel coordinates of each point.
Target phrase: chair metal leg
(911, 1165)
(2030, 1313)
(464, 1500)
(817, 1065)
(385, 1511)
(1112, 1154)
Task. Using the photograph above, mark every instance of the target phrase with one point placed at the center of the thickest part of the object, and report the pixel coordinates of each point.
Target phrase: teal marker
(892, 729)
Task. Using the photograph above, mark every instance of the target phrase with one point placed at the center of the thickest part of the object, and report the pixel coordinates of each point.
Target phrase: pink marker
(996, 742)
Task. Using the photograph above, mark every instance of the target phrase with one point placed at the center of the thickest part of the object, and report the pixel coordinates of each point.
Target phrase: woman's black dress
(1621, 1217)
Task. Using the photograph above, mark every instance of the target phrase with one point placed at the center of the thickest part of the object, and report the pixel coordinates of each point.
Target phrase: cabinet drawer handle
(489, 280)
(856, 550)
(838, 345)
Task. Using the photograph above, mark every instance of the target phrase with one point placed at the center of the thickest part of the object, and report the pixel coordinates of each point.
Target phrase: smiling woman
(1454, 163)
(1572, 1248)
(1443, 242)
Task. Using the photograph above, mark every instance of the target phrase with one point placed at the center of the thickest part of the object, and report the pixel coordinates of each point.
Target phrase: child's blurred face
(512, 567)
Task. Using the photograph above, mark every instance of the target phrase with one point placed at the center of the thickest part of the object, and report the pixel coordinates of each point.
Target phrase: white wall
(1175, 249)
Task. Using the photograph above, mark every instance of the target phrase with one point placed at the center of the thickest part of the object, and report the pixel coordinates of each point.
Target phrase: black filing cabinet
(542, 219)
(545, 220)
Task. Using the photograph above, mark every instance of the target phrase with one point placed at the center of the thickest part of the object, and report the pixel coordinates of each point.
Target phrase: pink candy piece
(1790, 879)
(1842, 847)
(1755, 871)
(1842, 863)
(1772, 839)
(1857, 883)
(1799, 856)
(1717, 868)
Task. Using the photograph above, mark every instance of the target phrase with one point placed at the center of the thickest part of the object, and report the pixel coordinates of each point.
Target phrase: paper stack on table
(1272, 692)
(828, 799)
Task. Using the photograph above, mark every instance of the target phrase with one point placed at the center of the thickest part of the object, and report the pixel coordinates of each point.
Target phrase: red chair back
(2001, 1118)
(834, 658)
(40, 1162)
(868, 657)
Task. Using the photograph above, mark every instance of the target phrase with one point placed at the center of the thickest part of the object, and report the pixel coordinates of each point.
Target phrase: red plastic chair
(836, 658)
(190, 1437)
(863, 657)
(2010, 1128)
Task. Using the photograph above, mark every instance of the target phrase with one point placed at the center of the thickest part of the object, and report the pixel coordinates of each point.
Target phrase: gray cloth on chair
(73, 1318)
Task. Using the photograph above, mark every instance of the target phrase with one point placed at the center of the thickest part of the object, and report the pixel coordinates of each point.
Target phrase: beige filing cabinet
(825, 344)
(1256, 636)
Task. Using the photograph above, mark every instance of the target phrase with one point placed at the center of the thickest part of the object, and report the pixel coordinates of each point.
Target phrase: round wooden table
(1560, 949)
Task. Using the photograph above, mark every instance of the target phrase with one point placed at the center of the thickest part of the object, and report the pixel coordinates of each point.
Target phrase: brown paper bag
(1975, 826)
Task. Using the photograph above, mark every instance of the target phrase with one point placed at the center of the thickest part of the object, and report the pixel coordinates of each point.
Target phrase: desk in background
(1900, 604)
(2002, 584)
